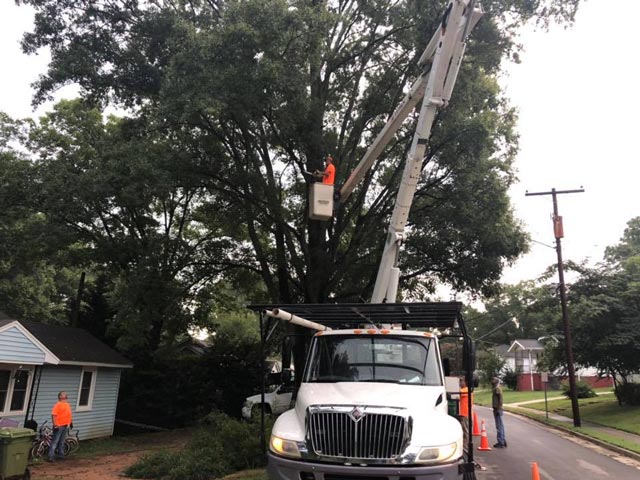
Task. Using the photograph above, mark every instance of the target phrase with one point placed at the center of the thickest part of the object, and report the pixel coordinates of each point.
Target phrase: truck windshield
(374, 358)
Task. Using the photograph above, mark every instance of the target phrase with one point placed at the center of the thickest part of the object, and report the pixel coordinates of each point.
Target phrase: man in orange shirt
(61, 417)
(464, 397)
(329, 174)
(464, 409)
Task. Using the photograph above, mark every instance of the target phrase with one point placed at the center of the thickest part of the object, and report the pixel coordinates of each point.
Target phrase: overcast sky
(577, 91)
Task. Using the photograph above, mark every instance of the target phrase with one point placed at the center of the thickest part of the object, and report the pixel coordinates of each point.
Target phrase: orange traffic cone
(476, 425)
(535, 474)
(484, 441)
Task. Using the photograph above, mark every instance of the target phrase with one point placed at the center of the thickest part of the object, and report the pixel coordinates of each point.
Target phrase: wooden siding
(94, 423)
(15, 347)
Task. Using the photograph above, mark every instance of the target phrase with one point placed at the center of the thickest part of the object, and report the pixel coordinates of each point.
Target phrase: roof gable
(66, 345)
(18, 345)
(525, 344)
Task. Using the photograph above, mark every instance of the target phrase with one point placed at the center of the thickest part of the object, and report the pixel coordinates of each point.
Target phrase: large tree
(261, 90)
(140, 222)
(526, 310)
(229, 102)
(37, 280)
(606, 309)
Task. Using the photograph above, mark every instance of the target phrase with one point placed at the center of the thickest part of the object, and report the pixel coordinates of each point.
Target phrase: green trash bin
(15, 444)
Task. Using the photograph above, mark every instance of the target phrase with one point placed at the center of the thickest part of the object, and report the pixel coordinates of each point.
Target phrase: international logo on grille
(356, 414)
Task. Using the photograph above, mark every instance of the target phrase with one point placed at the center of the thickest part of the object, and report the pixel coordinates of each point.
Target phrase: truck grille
(357, 433)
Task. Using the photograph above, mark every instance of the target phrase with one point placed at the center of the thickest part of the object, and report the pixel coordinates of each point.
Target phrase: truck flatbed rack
(440, 315)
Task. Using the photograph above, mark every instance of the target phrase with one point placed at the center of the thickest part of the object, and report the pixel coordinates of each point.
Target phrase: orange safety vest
(464, 401)
(331, 177)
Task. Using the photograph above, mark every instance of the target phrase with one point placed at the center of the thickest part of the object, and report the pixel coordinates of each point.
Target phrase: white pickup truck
(275, 402)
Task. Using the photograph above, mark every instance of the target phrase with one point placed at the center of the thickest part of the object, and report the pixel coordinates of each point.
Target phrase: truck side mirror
(287, 377)
(446, 365)
(469, 355)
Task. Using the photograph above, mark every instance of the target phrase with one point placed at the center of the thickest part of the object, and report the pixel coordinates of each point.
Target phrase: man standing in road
(498, 411)
(61, 416)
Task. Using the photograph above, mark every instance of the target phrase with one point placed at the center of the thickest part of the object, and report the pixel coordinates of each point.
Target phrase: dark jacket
(496, 398)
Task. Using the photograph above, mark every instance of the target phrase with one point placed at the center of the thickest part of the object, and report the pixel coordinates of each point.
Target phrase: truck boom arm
(461, 17)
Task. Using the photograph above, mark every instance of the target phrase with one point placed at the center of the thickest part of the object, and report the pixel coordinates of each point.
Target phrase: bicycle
(42, 442)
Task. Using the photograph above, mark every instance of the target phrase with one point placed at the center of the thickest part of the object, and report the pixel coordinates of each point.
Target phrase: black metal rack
(440, 315)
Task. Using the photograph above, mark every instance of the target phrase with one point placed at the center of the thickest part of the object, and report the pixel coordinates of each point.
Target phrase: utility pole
(559, 233)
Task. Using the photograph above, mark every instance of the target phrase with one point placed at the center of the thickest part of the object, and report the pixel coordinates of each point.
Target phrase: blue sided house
(37, 361)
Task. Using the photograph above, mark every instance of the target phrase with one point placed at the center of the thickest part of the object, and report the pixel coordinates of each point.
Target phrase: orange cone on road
(535, 474)
(484, 441)
(476, 425)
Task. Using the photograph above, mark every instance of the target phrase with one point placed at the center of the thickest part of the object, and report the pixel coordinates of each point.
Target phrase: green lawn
(589, 432)
(483, 396)
(603, 410)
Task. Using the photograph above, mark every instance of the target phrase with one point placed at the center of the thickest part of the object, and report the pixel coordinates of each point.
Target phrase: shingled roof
(71, 346)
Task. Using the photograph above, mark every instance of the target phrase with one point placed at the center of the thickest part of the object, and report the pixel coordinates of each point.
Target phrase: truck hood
(431, 424)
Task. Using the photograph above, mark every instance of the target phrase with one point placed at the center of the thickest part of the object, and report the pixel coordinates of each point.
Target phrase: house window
(5, 380)
(14, 389)
(87, 388)
(20, 385)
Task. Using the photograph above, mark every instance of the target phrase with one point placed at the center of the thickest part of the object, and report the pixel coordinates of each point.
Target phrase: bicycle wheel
(33, 453)
(70, 446)
(74, 444)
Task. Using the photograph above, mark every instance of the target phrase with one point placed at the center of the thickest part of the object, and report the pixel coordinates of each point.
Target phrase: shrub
(510, 379)
(221, 446)
(583, 390)
(628, 393)
(155, 465)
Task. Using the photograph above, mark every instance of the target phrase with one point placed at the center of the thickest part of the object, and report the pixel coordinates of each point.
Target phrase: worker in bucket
(329, 175)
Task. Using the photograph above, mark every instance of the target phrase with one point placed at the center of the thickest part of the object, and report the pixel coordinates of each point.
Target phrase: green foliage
(154, 465)
(252, 93)
(528, 309)
(510, 379)
(490, 365)
(177, 388)
(606, 309)
(222, 446)
(628, 393)
(583, 390)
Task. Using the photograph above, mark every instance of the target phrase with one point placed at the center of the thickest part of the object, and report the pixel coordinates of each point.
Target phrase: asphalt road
(559, 456)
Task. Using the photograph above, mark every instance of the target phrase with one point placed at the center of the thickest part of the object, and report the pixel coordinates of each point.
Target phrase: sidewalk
(612, 432)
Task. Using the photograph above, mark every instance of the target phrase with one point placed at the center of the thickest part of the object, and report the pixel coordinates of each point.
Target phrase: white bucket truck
(372, 402)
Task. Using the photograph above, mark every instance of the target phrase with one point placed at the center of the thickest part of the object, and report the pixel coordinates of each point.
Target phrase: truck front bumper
(286, 469)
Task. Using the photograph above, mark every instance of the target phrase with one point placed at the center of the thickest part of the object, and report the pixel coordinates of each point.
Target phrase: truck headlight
(286, 448)
(438, 454)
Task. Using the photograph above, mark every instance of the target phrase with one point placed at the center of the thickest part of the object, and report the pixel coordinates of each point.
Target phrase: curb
(601, 443)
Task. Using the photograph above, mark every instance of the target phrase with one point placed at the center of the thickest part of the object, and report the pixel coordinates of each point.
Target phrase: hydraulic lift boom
(440, 62)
